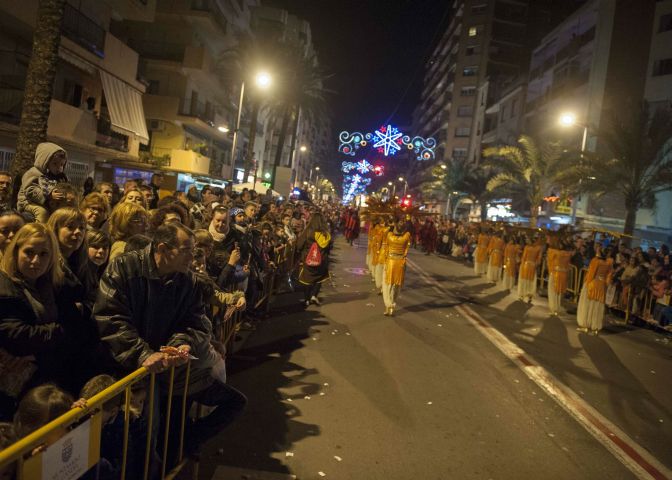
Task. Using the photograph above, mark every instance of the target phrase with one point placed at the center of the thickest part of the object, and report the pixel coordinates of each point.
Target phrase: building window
(153, 87)
(665, 24)
(473, 31)
(479, 9)
(468, 91)
(472, 50)
(502, 113)
(470, 71)
(462, 131)
(662, 67)
(514, 105)
(465, 111)
(459, 153)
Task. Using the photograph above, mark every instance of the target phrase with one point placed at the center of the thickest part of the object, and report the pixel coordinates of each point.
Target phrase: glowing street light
(223, 129)
(567, 119)
(263, 80)
(317, 168)
(303, 148)
(444, 166)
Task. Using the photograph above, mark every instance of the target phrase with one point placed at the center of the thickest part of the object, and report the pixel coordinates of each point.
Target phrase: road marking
(625, 449)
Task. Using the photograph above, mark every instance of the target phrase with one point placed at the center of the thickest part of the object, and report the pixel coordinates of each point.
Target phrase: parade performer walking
(314, 244)
(496, 257)
(481, 253)
(397, 244)
(558, 270)
(428, 236)
(373, 231)
(352, 227)
(512, 254)
(378, 260)
(590, 312)
(527, 278)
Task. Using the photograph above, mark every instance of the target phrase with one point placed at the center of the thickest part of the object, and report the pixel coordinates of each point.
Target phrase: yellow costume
(481, 254)
(527, 278)
(378, 256)
(590, 312)
(496, 255)
(558, 271)
(511, 259)
(396, 249)
(370, 248)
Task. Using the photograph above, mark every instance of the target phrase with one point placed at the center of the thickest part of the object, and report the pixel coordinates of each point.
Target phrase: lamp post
(263, 81)
(569, 120)
(317, 181)
(402, 179)
(394, 188)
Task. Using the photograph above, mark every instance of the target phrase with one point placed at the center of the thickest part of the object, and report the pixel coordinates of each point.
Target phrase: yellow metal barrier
(27, 452)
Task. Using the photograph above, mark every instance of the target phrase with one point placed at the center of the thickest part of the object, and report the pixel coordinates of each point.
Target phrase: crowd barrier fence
(71, 442)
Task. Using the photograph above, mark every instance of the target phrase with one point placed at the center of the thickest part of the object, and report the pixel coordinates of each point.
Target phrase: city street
(341, 391)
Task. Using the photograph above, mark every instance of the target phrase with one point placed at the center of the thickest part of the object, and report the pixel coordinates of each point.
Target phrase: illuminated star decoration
(354, 185)
(387, 140)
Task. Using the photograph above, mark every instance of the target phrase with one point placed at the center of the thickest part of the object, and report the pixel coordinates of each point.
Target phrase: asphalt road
(341, 391)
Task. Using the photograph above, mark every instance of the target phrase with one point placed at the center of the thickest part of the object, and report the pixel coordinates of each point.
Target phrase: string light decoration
(387, 140)
(354, 185)
(362, 167)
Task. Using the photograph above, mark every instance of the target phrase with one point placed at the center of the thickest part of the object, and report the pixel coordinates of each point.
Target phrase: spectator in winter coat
(39, 182)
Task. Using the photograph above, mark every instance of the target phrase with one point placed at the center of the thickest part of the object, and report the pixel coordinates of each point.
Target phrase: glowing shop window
(473, 31)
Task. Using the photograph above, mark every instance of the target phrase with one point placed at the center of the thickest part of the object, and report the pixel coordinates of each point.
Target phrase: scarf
(216, 236)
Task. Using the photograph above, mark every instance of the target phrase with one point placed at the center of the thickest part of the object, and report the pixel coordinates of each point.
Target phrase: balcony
(205, 111)
(107, 138)
(83, 31)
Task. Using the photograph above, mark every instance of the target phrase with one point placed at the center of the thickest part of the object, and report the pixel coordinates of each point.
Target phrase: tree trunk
(283, 136)
(252, 136)
(39, 83)
(484, 211)
(295, 134)
(630, 221)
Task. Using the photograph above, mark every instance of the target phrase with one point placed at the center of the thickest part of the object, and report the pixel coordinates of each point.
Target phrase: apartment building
(191, 114)
(485, 45)
(96, 110)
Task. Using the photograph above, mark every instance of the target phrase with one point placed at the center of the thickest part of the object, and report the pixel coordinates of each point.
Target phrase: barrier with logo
(69, 446)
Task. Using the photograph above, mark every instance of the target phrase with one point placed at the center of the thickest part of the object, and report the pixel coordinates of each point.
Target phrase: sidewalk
(624, 372)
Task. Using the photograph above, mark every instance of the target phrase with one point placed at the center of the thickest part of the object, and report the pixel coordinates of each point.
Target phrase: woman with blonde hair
(41, 332)
(95, 208)
(134, 195)
(127, 219)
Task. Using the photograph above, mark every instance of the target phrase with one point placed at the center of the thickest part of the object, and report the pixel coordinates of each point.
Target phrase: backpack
(314, 257)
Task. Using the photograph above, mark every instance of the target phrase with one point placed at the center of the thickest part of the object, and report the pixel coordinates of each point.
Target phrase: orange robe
(529, 262)
(496, 251)
(597, 278)
(396, 249)
(511, 254)
(378, 256)
(558, 268)
(482, 248)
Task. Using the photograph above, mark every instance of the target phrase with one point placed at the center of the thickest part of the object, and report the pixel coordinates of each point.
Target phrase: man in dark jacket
(149, 299)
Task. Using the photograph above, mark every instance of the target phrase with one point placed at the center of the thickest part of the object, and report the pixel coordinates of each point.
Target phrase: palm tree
(39, 84)
(301, 95)
(236, 64)
(528, 171)
(635, 159)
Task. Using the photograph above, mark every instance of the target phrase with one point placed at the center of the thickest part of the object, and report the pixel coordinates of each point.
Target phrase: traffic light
(406, 202)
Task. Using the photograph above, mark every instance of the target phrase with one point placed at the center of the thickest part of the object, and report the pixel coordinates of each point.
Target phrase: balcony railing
(211, 7)
(201, 110)
(107, 138)
(82, 30)
(173, 52)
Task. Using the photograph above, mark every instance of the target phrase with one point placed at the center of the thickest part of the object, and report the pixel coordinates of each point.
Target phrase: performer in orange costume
(496, 257)
(481, 253)
(558, 260)
(378, 260)
(590, 313)
(397, 244)
(371, 239)
(527, 278)
(512, 254)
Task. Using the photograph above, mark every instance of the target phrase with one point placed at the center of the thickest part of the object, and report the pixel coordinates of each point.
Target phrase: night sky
(375, 51)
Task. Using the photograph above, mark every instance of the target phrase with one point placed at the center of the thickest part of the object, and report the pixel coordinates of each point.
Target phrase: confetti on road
(660, 420)
(315, 338)
(290, 400)
(439, 325)
(551, 435)
(347, 286)
(321, 394)
(289, 454)
(326, 384)
(517, 381)
(653, 371)
(429, 403)
(347, 333)
(322, 474)
(338, 459)
(307, 397)
(370, 305)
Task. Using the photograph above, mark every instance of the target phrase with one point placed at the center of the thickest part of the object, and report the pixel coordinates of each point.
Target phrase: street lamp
(263, 81)
(223, 129)
(568, 119)
(303, 148)
(444, 166)
(402, 179)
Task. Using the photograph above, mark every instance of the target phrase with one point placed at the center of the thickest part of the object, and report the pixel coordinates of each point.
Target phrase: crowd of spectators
(95, 284)
(642, 278)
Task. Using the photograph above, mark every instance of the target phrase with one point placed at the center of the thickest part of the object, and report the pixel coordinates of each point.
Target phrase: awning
(125, 106)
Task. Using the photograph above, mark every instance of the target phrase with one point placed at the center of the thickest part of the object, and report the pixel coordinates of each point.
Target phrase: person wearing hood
(314, 244)
(39, 182)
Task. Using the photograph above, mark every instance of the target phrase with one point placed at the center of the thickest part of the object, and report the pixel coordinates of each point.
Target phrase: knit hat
(236, 211)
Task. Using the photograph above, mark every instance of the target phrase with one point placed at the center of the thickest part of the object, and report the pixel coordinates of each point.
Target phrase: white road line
(637, 459)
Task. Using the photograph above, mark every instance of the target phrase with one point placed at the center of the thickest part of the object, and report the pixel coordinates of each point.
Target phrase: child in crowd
(38, 183)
